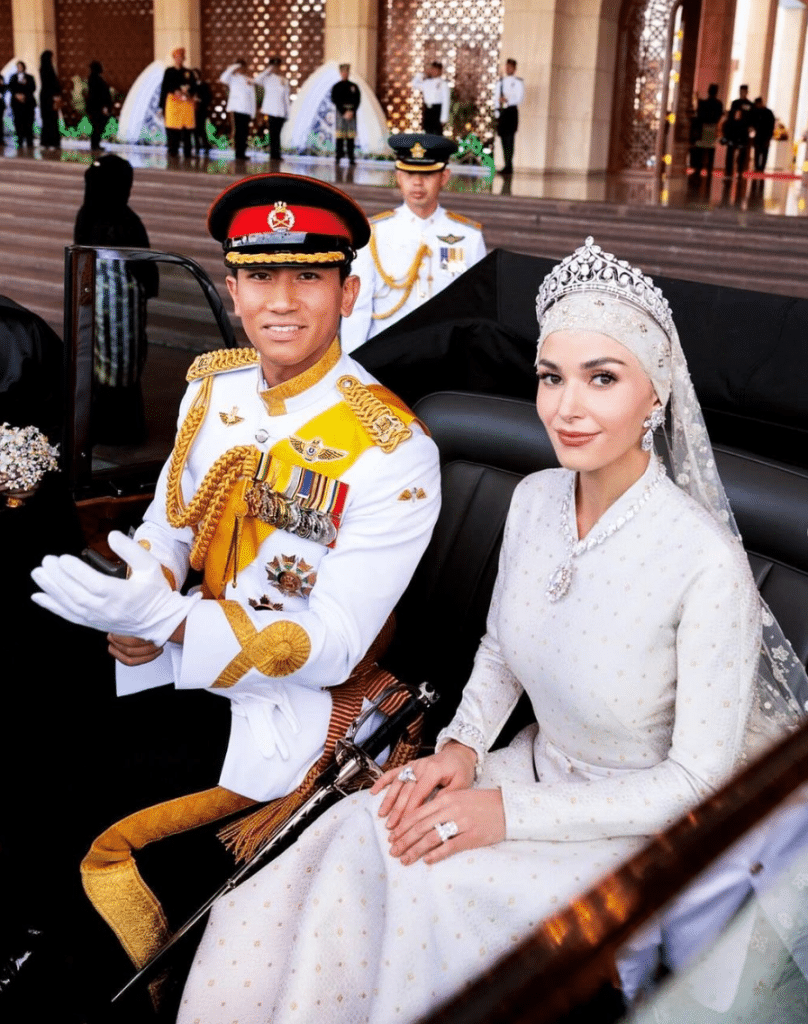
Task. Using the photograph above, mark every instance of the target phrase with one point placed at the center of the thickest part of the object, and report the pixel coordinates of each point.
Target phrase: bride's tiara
(590, 269)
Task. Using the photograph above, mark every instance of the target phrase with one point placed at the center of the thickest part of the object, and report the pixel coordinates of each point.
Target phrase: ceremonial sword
(350, 760)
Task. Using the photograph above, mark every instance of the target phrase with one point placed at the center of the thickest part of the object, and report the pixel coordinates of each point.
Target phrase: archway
(656, 60)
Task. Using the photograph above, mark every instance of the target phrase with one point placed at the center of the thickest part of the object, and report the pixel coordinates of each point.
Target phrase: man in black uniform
(763, 126)
(346, 98)
(23, 104)
(736, 132)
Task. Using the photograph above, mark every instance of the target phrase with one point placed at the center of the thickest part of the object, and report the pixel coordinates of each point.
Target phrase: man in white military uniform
(416, 250)
(509, 94)
(275, 104)
(303, 490)
(240, 103)
(437, 96)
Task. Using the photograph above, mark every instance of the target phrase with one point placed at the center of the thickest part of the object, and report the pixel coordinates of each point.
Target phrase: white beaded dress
(641, 679)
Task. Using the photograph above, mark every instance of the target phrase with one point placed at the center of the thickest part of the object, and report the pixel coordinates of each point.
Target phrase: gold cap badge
(418, 152)
(281, 217)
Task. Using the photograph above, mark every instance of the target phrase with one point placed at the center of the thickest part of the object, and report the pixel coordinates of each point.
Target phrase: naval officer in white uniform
(416, 250)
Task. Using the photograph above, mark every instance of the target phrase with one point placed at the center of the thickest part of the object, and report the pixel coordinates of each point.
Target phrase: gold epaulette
(382, 216)
(379, 421)
(464, 220)
(220, 361)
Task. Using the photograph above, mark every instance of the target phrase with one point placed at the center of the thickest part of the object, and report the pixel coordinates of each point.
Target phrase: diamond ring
(446, 829)
(407, 774)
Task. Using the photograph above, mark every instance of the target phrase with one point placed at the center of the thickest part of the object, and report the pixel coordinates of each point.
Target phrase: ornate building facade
(609, 83)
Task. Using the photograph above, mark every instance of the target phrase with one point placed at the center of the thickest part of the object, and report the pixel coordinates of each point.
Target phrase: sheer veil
(593, 290)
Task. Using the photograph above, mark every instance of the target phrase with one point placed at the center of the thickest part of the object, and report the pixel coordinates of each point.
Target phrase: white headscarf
(594, 291)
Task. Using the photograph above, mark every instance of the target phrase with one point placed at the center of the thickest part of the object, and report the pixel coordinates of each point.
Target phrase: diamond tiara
(590, 269)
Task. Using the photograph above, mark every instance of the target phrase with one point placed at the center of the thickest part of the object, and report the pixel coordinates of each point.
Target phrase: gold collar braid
(408, 281)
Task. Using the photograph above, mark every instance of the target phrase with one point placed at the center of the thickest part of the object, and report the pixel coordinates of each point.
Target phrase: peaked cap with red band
(287, 220)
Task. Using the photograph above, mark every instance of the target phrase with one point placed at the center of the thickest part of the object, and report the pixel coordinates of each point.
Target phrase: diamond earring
(651, 423)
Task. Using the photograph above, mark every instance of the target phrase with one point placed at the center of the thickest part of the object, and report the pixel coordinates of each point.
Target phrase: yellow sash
(238, 536)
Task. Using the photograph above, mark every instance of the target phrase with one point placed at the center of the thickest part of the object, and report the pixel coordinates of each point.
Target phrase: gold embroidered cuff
(279, 650)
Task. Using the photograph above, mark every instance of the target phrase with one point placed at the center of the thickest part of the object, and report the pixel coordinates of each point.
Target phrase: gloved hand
(260, 708)
(144, 605)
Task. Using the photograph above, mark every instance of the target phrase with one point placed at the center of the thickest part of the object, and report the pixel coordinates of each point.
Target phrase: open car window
(134, 322)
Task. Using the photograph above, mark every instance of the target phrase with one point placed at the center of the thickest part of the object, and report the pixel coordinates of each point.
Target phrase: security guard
(306, 494)
(416, 250)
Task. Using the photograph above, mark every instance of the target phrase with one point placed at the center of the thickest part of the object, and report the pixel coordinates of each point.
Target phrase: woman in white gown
(625, 609)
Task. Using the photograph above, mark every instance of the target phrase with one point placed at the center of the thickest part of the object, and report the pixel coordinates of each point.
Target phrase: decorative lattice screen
(646, 44)
(464, 35)
(6, 33)
(256, 30)
(119, 33)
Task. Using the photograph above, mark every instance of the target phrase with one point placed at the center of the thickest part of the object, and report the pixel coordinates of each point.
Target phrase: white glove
(144, 605)
(260, 710)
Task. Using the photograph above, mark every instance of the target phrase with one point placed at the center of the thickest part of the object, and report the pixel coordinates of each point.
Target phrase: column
(714, 55)
(351, 35)
(582, 87)
(34, 23)
(759, 47)
(177, 23)
(527, 31)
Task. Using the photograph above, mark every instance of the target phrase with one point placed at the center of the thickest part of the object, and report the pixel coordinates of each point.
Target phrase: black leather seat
(487, 444)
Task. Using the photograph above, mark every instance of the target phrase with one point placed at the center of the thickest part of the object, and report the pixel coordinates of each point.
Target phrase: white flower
(780, 653)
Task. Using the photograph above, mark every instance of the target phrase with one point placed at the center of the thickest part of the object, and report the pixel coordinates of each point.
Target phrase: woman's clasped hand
(431, 799)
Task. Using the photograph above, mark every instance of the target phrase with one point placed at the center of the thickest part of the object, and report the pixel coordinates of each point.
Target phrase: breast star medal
(291, 575)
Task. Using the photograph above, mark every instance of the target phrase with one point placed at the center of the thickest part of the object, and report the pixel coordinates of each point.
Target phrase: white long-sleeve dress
(641, 679)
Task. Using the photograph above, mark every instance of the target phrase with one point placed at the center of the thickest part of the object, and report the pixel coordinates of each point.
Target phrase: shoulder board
(220, 361)
(380, 421)
(464, 220)
(381, 216)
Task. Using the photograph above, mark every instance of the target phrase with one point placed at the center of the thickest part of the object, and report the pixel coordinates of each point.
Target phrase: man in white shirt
(416, 250)
(436, 93)
(275, 105)
(240, 103)
(510, 92)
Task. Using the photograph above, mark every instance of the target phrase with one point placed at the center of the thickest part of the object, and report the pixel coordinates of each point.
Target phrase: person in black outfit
(704, 131)
(736, 132)
(99, 105)
(203, 97)
(121, 293)
(50, 100)
(23, 104)
(346, 98)
(763, 126)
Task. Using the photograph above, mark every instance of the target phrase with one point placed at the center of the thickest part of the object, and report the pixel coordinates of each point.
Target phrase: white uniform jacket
(512, 88)
(276, 94)
(301, 614)
(452, 244)
(434, 91)
(241, 94)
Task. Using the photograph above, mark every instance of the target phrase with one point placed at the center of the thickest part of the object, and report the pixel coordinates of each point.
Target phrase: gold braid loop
(407, 283)
(205, 508)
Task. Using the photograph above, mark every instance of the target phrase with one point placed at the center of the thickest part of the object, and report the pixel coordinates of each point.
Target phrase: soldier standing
(346, 98)
(416, 250)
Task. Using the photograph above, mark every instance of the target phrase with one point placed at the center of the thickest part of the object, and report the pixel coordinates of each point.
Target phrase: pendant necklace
(560, 579)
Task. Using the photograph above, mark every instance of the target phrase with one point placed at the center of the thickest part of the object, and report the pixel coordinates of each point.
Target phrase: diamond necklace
(560, 579)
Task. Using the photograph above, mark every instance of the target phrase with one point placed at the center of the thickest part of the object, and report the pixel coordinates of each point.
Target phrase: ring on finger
(446, 829)
(407, 774)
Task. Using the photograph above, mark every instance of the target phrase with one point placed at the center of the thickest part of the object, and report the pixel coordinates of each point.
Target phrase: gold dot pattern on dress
(580, 794)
